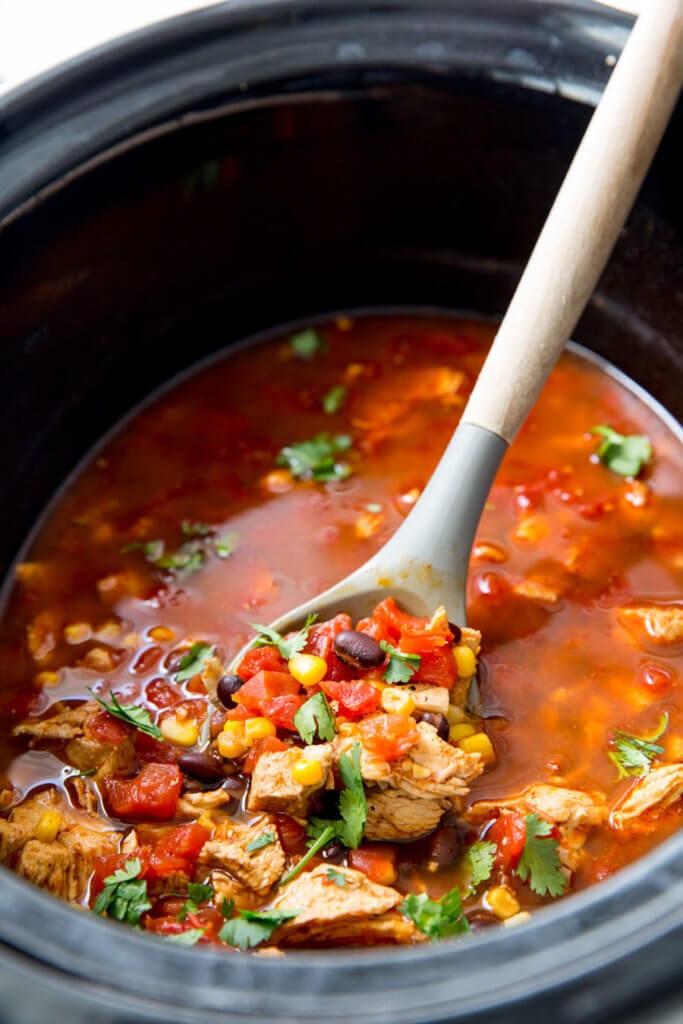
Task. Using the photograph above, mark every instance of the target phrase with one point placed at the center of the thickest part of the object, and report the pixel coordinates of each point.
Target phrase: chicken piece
(534, 590)
(359, 912)
(257, 869)
(66, 724)
(192, 804)
(435, 768)
(273, 787)
(428, 698)
(84, 795)
(12, 838)
(574, 812)
(395, 815)
(656, 791)
(660, 625)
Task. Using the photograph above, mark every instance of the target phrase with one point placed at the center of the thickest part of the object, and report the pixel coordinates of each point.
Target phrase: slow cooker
(246, 165)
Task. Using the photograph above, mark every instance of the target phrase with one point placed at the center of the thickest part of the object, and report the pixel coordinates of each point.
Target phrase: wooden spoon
(424, 564)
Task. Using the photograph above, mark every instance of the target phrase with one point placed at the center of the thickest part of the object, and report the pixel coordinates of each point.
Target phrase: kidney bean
(227, 686)
(359, 650)
(436, 719)
(333, 853)
(445, 845)
(456, 631)
(200, 766)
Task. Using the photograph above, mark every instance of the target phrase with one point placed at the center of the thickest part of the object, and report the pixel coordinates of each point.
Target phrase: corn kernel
(347, 729)
(185, 734)
(478, 744)
(77, 632)
(258, 729)
(458, 731)
(465, 660)
(234, 728)
(396, 701)
(48, 679)
(230, 745)
(48, 826)
(162, 634)
(307, 771)
(502, 902)
(307, 669)
(278, 481)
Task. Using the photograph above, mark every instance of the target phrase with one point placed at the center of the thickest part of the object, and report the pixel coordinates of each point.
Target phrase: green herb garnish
(124, 896)
(625, 455)
(265, 839)
(189, 938)
(132, 714)
(253, 927)
(227, 907)
(479, 862)
(401, 667)
(315, 717)
(334, 400)
(307, 343)
(287, 646)
(633, 755)
(225, 545)
(197, 894)
(194, 661)
(317, 459)
(338, 877)
(437, 919)
(540, 861)
(198, 529)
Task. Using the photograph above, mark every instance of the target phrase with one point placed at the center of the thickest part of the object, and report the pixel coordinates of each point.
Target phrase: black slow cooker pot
(255, 163)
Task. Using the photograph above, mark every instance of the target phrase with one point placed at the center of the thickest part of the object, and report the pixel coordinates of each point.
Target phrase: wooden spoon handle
(584, 222)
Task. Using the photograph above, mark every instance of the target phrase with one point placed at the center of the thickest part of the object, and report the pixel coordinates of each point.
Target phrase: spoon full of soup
(424, 565)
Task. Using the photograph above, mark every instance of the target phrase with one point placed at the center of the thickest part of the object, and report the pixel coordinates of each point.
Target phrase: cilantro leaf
(253, 927)
(188, 559)
(225, 545)
(188, 938)
(315, 717)
(287, 646)
(633, 755)
(151, 549)
(193, 661)
(227, 907)
(623, 454)
(334, 400)
(265, 839)
(199, 892)
(479, 862)
(325, 834)
(198, 529)
(132, 714)
(401, 667)
(338, 877)
(124, 896)
(437, 919)
(540, 861)
(307, 343)
(316, 459)
(353, 808)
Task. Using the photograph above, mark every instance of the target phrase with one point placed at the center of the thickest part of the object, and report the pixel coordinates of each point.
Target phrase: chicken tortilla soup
(389, 780)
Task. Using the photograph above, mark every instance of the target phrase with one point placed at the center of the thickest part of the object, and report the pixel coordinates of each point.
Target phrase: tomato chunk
(260, 658)
(152, 793)
(281, 710)
(263, 687)
(437, 668)
(355, 697)
(177, 852)
(509, 834)
(292, 835)
(389, 736)
(150, 749)
(376, 860)
(107, 729)
(388, 614)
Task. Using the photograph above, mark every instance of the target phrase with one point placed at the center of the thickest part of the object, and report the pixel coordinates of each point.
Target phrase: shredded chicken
(660, 625)
(660, 788)
(256, 869)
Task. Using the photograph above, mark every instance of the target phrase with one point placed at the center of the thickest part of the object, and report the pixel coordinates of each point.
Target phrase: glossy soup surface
(562, 545)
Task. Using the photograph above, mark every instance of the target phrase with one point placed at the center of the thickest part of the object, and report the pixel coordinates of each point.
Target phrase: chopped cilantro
(265, 839)
(253, 927)
(321, 836)
(287, 646)
(338, 877)
(194, 661)
(124, 896)
(401, 667)
(132, 714)
(307, 343)
(188, 938)
(315, 717)
(540, 861)
(197, 894)
(225, 545)
(191, 529)
(151, 549)
(188, 559)
(334, 400)
(479, 862)
(625, 455)
(633, 755)
(191, 555)
(227, 907)
(317, 459)
(437, 919)
(353, 808)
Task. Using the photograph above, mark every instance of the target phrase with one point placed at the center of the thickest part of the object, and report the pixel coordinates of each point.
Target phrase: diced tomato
(207, 918)
(268, 743)
(107, 729)
(161, 694)
(378, 630)
(437, 669)
(389, 737)
(422, 642)
(292, 835)
(238, 714)
(150, 749)
(263, 687)
(355, 697)
(376, 860)
(260, 658)
(390, 615)
(152, 793)
(321, 642)
(509, 834)
(105, 866)
(281, 710)
(177, 852)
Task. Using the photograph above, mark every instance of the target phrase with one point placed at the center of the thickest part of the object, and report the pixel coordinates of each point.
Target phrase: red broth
(563, 544)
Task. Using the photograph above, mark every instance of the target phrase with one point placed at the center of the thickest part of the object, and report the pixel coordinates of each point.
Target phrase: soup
(435, 779)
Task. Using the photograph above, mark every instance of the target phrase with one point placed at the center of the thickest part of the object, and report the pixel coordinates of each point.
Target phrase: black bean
(358, 649)
(227, 686)
(435, 718)
(445, 845)
(456, 631)
(334, 853)
(201, 766)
